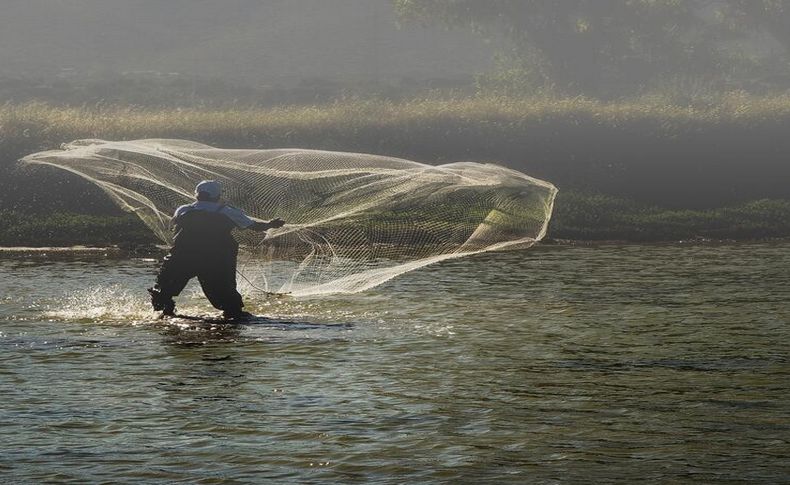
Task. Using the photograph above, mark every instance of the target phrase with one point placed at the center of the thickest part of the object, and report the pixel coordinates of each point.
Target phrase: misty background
(256, 51)
(264, 52)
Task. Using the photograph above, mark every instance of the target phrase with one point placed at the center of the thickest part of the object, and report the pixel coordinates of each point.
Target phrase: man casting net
(354, 221)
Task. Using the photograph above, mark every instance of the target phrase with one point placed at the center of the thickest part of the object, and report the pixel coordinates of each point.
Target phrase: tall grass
(345, 121)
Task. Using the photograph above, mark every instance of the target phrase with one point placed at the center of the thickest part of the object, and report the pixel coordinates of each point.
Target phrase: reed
(345, 121)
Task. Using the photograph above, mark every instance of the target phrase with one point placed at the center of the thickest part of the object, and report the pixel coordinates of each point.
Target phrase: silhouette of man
(204, 247)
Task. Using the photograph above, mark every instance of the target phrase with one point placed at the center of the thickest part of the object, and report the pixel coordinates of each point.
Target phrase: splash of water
(101, 303)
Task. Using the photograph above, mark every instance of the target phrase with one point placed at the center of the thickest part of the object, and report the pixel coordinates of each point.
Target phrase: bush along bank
(596, 217)
(69, 229)
(577, 216)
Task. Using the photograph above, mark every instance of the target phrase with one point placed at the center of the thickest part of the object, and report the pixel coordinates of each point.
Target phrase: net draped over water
(353, 220)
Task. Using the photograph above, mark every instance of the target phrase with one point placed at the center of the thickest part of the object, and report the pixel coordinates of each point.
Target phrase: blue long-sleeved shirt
(236, 215)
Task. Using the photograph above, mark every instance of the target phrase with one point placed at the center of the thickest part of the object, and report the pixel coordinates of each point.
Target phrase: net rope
(354, 220)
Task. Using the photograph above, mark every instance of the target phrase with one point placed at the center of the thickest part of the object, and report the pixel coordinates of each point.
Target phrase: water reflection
(633, 363)
(193, 334)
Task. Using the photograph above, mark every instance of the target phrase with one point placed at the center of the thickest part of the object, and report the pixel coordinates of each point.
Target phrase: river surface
(554, 365)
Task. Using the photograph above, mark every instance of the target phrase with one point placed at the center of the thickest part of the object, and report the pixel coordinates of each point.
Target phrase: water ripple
(559, 364)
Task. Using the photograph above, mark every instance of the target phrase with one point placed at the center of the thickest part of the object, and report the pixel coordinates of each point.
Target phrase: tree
(595, 46)
(767, 16)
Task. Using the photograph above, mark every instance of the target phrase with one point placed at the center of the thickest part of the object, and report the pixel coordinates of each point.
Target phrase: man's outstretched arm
(260, 226)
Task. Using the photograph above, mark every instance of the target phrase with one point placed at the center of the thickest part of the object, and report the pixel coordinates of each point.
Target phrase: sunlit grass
(42, 124)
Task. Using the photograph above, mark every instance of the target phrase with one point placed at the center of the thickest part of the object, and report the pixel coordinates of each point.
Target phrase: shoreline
(59, 249)
(79, 250)
(154, 251)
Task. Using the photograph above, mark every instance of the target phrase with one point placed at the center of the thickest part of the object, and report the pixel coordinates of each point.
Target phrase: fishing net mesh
(353, 221)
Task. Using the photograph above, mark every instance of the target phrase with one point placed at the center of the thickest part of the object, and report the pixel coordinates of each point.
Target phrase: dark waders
(204, 248)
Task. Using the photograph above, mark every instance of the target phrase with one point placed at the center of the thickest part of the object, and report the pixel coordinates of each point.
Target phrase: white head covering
(210, 187)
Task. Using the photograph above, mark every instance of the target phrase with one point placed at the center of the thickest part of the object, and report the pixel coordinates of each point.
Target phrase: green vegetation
(65, 229)
(666, 170)
(577, 216)
(599, 217)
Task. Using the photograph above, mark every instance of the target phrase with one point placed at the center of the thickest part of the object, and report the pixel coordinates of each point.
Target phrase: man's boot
(162, 303)
(238, 314)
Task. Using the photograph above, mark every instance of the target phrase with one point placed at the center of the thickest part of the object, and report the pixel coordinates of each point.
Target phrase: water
(558, 364)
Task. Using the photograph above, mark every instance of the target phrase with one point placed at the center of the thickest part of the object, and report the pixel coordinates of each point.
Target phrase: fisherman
(204, 247)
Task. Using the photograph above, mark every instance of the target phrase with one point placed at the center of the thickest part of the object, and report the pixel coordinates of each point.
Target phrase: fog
(246, 43)
(290, 51)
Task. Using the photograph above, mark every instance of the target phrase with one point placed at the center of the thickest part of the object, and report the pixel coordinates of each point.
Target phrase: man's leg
(172, 278)
(220, 289)
(218, 281)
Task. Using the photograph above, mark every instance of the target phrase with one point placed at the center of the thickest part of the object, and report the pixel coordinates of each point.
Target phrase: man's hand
(276, 223)
(262, 226)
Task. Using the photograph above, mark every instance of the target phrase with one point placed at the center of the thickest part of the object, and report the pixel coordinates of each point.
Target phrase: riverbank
(641, 170)
(577, 217)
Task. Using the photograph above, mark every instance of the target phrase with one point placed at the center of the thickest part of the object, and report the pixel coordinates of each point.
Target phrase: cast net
(354, 221)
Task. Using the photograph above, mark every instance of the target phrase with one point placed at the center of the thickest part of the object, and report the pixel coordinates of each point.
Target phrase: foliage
(607, 47)
(584, 216)
(577, 216)
(67, 229)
